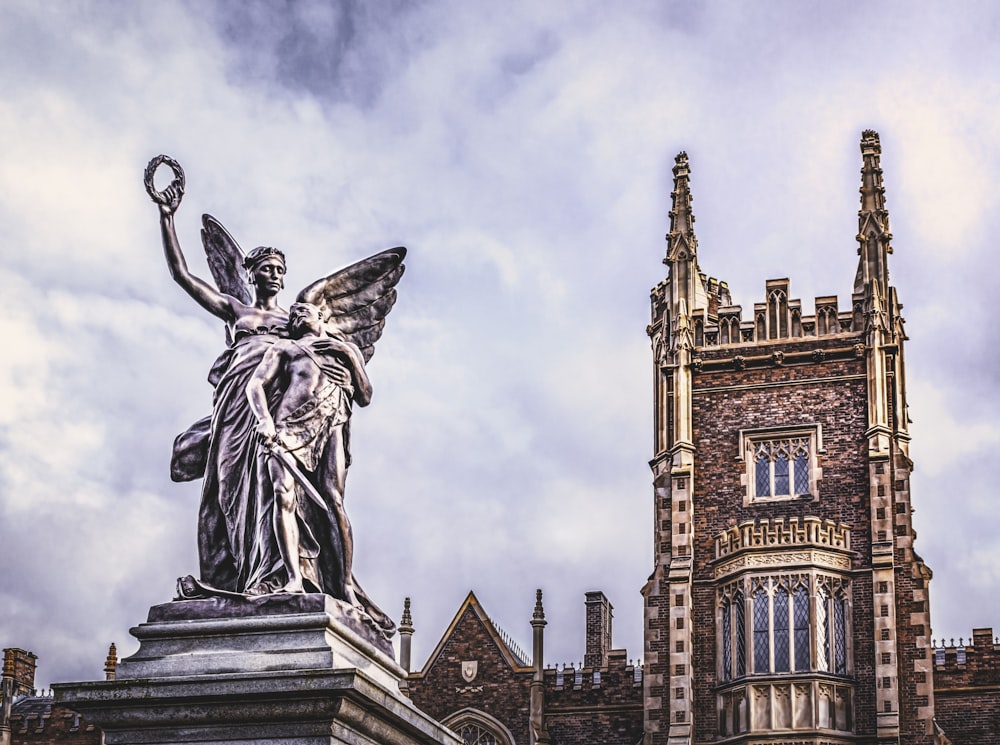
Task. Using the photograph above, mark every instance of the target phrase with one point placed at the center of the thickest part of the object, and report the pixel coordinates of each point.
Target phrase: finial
(111, 663)
(870, 141)
(406, 622)
(539, 614)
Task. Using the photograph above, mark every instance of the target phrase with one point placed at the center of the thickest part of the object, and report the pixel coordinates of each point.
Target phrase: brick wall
(607, 710)
(967, 695)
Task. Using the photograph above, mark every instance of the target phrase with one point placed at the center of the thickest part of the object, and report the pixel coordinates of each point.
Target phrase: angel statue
(274, 453)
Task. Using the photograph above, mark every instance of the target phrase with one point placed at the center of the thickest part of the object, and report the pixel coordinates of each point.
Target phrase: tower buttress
(899, 577)
(679, 308)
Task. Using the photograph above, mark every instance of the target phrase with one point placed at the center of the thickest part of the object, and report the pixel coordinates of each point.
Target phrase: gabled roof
(510, 652)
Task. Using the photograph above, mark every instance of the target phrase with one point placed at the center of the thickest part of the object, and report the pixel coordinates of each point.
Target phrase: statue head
(265, 268)
(304, 318)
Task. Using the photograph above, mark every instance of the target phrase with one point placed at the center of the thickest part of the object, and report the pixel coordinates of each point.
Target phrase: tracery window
(781, 465)
(475, 734)
(475, 727)
(773, 622)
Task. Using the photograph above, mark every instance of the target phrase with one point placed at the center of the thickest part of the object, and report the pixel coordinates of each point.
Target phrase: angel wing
(225, 260)
(356, 300)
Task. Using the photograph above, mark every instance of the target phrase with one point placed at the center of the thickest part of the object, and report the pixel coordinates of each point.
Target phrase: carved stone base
(290, 670)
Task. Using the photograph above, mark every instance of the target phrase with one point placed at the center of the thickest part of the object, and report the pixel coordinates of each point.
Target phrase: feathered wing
(356, 300)
(225, 260)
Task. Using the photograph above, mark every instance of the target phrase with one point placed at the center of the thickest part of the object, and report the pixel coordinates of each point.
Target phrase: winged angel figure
(275, 451)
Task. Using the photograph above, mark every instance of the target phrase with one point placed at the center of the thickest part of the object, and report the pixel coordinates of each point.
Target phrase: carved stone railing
(766, 533)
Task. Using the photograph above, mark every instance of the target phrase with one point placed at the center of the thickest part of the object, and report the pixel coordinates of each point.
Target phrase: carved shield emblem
(469, 670)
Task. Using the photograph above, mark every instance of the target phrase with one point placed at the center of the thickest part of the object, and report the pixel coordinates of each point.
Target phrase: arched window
(727, 639)
(733, 633)
(476, 727)
(476, 734)
(800, 634)
(761, 632)
(741, 642)
(832, 622)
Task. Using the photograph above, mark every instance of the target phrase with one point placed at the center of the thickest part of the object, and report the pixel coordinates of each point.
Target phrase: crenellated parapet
(577, 684)
(777, 317)
(777, 533)
(764, 545)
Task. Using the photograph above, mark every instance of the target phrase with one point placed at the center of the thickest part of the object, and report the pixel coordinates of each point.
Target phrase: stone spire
(681, 237)
(874, 238)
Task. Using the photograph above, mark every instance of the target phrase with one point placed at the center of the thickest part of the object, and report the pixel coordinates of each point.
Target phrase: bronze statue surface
(274, 453)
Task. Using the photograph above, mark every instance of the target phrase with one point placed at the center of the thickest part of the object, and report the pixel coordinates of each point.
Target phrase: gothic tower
(786, 602)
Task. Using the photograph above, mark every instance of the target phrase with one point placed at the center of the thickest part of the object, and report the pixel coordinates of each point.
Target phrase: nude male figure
(324, 376)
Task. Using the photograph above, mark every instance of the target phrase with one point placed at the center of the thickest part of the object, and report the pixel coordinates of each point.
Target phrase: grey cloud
(524, 157)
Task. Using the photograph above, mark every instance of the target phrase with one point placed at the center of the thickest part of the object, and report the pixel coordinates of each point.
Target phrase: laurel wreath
(158, 196)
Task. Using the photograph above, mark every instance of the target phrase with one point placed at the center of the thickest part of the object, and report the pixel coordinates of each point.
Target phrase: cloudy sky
(522, 151)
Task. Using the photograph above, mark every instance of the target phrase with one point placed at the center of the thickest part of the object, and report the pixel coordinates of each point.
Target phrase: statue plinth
(302, 669)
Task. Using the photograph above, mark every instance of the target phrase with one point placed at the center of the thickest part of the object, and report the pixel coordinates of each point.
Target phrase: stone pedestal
(287, 670)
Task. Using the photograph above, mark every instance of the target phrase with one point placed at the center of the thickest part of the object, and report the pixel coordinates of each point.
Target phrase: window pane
(763, 475)
(840, 636)
(781, 631)
(761, 647)
(473, 734)
(781, 474)
(741, 630)
(801, 614)
(802, 473)
(823, 630)
(727, 641)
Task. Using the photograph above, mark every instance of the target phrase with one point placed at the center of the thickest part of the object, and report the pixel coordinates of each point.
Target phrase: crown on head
(260, 253)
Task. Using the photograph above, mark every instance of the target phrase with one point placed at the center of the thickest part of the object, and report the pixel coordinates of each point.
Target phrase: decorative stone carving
(765, 533)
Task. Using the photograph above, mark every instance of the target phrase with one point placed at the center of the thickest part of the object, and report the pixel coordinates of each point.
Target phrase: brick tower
(786, 602)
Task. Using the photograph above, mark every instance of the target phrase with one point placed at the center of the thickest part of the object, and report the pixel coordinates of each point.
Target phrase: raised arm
(204, 294)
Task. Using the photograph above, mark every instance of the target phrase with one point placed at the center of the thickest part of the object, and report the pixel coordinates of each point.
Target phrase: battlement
(572, 682)
(766, 533)
(966, 678)
(972, 661)
(720, 323)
